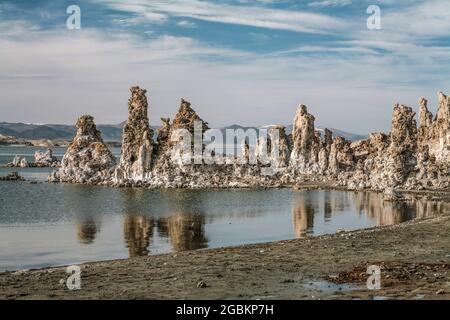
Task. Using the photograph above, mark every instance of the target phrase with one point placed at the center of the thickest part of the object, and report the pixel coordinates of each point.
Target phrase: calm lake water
(54, 224)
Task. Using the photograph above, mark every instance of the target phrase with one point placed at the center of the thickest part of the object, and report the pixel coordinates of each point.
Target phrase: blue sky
(237, 61)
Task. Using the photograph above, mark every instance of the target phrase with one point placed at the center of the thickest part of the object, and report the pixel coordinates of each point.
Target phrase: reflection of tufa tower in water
(185, 231)
(303, 217)
(87, 230)
(138, 230)
(385, 212)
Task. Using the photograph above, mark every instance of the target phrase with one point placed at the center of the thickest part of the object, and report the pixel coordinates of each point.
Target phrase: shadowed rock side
(87, 160)
(409, 157)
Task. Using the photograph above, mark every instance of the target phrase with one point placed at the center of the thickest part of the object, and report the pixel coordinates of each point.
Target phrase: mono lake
(57, 224)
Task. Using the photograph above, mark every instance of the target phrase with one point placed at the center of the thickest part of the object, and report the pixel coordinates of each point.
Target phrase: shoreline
(438, 194)
(414, 257)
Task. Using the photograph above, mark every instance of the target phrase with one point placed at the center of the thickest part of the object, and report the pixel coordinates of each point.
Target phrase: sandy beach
(414, 258)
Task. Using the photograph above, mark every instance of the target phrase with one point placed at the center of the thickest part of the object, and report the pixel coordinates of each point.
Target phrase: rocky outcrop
(341, 157)
(14, 176)
(137, 145)
(304, 140)
(325, 150)
(433, 145)
(280, 146)
(245, 152)
(402, 150)
(273, 147)
(170, 152)
(409, 157)
(41, 160)
(87, 160)
(18, 162)
(45, 159)
(425, 116)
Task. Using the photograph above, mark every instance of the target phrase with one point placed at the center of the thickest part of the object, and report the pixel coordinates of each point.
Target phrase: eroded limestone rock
(325, 149)
(433, 144)
(280, 146)
(409, 157)
(171, 134)
(19, 162)
(304, 139)
(87, 160)
(45, 159)
(137, 145)
(402, 150)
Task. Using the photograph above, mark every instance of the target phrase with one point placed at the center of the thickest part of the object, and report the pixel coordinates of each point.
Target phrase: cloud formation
(349, 80)
(298, 21)
(329, 3)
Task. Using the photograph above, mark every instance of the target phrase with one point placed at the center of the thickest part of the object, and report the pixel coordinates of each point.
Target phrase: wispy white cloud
(186, 24)
(343, 81)
(425, 19)
(67, 74)
(330, 3)
(148, 17)
(269, 18)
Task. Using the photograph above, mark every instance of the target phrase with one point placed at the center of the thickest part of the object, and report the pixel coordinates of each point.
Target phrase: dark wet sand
(415, 260)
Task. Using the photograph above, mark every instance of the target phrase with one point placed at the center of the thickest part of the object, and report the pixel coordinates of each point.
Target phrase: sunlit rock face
(409, 157)
(87, 159)
(304, 141)
(425, 116)
(172, 133)
(439, 132)
(325, 150)
(280, 146)
(386, 161)
(19, 162)
(137, 145)
(341, 155)
(402, 150)
(272, 148)
(434, 144)
(371, 173)
(179, 149)
(45, 159)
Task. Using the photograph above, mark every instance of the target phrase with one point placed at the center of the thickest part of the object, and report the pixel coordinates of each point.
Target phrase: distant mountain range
(111, 132)
(336, 132)
(55, 131)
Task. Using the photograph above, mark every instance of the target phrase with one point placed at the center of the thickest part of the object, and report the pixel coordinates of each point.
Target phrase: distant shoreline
(17, 142)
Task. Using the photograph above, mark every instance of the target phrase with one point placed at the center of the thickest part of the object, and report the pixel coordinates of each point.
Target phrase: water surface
(58, 224)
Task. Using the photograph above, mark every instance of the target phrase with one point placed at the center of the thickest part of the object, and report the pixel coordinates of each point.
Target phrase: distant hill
(113, 132)
(55, 131)
(7, 132)
(45, 132)
(336, 132)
